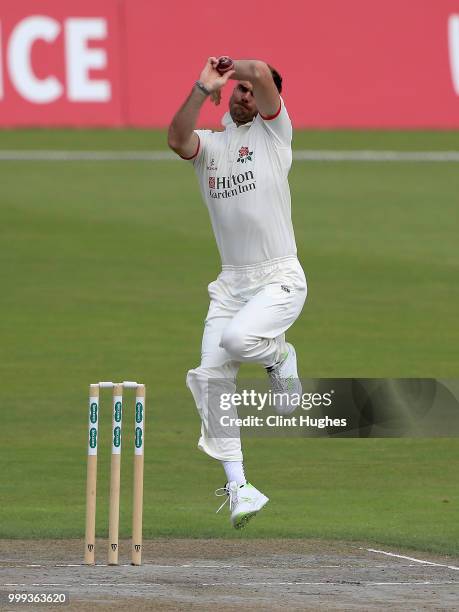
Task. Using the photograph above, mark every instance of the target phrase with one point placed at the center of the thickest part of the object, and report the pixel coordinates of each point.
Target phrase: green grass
(132, 139)
(104, 272)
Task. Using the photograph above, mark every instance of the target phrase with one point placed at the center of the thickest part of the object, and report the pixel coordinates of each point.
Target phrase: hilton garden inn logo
(229, 186)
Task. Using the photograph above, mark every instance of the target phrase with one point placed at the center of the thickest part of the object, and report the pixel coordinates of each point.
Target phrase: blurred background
(107, 251)
(129, 63)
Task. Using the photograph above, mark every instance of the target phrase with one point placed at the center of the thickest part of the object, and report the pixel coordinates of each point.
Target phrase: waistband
(262, 265)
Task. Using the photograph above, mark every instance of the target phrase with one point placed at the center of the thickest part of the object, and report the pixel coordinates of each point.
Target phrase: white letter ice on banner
(40, 91)
(80, 60)
(453, 39)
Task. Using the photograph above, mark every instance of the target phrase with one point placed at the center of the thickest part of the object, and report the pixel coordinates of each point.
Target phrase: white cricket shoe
(244, 502)
(285, 383)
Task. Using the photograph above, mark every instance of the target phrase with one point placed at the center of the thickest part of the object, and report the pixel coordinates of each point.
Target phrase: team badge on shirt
(244, 155)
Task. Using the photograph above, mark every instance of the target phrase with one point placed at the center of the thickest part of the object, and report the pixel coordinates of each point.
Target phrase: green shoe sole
(242, 519)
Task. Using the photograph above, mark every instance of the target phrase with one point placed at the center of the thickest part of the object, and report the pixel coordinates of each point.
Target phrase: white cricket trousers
(251, 307)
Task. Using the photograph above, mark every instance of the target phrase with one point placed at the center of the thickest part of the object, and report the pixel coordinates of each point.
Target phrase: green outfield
(104, 273)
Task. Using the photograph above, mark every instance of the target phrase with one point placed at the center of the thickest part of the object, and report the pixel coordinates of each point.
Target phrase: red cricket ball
(225, 63)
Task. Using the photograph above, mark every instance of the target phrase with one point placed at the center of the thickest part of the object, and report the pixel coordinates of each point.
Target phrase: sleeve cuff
(276, 114)
(196, 152)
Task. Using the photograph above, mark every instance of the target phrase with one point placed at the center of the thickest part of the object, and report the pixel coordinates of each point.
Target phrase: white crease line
(97, 565)
(314, 155)
(189, 565)
(35, 584)
(122, 584)
(152, 565)
(50, 584)
(343, 583)
(422, 561)
(249, 584)
(81, 584)
(85, 565)
(210, 566)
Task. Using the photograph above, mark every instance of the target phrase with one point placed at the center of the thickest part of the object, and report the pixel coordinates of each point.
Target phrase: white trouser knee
(208, 383)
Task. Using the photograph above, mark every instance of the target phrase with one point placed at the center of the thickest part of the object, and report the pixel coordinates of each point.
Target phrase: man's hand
(181, 135)
(213, 81)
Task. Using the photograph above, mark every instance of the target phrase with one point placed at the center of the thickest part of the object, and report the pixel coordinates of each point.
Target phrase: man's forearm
(184, 122)
(249, 70)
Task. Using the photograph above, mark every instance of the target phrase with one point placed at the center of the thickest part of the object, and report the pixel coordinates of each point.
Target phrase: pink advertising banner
(60, 63)
(351, 64)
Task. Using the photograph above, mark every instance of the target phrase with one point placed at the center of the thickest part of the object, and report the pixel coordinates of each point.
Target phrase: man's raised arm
(181, 136)
(264, 89)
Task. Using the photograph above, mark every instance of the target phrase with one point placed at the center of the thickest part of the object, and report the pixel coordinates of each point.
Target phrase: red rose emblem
(245, 155)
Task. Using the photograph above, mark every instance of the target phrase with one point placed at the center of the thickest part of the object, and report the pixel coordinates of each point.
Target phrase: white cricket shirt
(243, 176)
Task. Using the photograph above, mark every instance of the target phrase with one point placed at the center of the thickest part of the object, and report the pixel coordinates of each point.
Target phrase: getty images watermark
(284, 402)
(344, 407)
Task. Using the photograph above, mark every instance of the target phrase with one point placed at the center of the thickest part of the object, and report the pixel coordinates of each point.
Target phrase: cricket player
(260, 292)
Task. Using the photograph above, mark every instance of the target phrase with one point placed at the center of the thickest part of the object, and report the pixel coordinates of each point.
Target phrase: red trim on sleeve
(197, 150)
(269, 117)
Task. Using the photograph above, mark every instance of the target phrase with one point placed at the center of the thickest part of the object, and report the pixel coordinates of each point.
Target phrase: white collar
(228, 123)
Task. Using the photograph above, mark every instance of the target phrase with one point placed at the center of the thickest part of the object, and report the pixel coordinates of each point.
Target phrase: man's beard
(240, 114)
